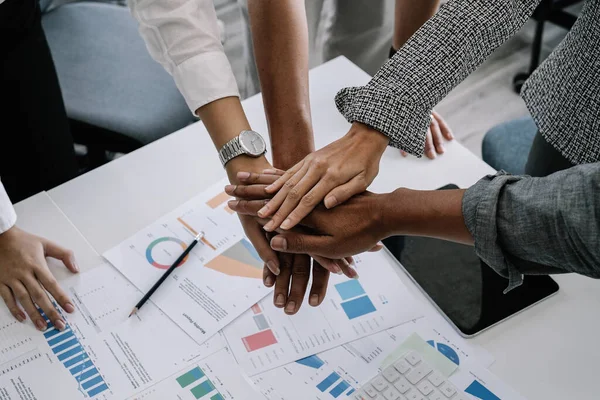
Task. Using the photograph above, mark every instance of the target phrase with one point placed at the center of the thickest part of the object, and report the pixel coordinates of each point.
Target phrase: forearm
(7, 212)
(435, 213)
(225, 119)
(409, 16)
(280, 37)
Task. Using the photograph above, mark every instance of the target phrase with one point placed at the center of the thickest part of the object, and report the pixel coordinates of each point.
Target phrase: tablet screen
(465, 289)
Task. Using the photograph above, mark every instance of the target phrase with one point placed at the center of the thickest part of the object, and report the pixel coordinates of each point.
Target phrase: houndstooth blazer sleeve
(444, 51)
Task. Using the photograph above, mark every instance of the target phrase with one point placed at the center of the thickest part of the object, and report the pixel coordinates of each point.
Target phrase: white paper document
(338, 372)
(216, 282)
(265, 337)
(213, 378)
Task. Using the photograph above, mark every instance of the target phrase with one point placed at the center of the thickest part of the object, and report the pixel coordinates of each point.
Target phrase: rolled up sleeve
(524, 225)
(183, 36)
(8, 217)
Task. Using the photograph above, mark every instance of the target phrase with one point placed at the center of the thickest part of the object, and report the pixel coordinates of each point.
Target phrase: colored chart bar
(190, 377)
(87, 374)
(97, 390)
(92, 382)
(339, 389)
(218, 200)
(481, 392)
(76, 370)
(57, 339)
(51, 332)
(69, 353)
(202, 389)
(350, 289)
(261, 322)
(217, 397)
(328, 382)
(350, 392)
(311, 361)
(256, 309)
(64, 346)
(259, 340)
(75, 360)
(358, 307)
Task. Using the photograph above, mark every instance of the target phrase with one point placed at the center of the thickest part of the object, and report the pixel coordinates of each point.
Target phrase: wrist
(368, 136)
(396, 207)
(291, 142)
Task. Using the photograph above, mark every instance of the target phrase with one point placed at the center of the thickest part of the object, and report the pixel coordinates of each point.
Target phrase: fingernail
(69, 307)
(269, 187)
(280, 300)
(269, 226)
(331, 201)
(41, 324)
(442, 149)
(286, 224)
(269, 281)
(290, 307)
(76, 266)
(229, 189)
(232, 203)
(261, 213)
(243, 175)
(314, 300)
(278, 243)
(21, 317)
(269, 171)
(273, 267)
(59, 324)
(353, 273)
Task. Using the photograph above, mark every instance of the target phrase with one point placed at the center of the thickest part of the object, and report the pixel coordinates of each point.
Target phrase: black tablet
(465, 290)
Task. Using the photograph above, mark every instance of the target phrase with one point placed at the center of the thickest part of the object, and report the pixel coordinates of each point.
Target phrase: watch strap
(230, 150)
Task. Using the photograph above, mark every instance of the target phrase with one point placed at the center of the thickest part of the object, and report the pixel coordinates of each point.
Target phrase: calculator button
(370, 390)
(436, 396)
(447, 389)
(436, 378)
(391, 394)
(418, 373)
(379, 383)
(402, 385)
(402, 366)
(425, 387)
(413, 358)
(391, 374)
(415, 395)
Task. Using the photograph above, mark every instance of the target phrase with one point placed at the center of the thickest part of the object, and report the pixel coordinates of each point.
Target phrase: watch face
(252, 143)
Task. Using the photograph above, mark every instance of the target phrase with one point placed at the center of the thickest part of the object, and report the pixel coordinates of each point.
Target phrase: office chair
(116, 96)
(547, 11)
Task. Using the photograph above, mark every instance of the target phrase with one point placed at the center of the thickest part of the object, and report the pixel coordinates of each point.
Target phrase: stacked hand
(436, 133)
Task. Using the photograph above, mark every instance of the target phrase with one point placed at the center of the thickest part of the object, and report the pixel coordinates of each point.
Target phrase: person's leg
(36, 144)
(544, 159)
(506, 146)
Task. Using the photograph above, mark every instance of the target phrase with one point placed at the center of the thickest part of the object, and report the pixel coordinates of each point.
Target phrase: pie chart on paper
(241, 260)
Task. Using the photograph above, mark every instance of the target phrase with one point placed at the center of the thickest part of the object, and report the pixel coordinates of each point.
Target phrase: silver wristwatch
(249, 143)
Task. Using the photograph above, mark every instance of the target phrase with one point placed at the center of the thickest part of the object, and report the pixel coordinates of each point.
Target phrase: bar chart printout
(70, 352)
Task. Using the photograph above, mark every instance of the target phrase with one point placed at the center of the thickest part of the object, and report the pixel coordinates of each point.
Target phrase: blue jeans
(518, 148)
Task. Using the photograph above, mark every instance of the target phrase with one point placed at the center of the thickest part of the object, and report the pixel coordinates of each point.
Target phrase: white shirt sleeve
(183, 36)
(8, 217)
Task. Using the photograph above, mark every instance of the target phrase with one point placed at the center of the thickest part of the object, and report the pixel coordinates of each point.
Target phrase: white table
(546, 353)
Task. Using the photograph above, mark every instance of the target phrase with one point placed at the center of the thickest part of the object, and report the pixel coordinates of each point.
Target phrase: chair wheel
(519, 80)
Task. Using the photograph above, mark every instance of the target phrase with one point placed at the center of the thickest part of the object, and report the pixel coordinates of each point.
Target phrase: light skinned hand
(25, 276)
(334, 174)
(351, 228)
(252, 186)
(436, 133)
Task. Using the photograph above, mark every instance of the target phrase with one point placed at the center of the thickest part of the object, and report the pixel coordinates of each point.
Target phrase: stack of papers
(211, 331)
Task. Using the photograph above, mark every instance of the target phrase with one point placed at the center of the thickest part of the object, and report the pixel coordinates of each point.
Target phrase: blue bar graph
(350, 392)
(72, 361)
(311, 361)
(339, 389)
(97, 390)
(358, 307)
(481, 392)
(350, 289)
(64, 336)
(69, 351)
(328, 382)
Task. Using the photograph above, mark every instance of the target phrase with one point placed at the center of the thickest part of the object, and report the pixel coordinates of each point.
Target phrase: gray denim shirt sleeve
(524, 225)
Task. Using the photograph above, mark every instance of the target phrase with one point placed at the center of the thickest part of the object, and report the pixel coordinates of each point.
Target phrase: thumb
(378, 246)
(53, 250)
(298, 243)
